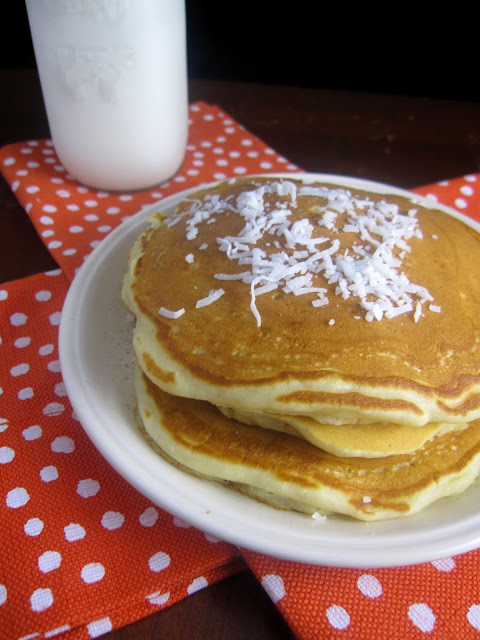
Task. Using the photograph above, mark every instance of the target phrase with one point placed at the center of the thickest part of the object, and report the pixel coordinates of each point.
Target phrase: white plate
(97, 366)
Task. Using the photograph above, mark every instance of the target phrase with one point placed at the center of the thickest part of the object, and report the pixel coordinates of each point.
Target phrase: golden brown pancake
(205, 331)
(375, 440)
(289, 472)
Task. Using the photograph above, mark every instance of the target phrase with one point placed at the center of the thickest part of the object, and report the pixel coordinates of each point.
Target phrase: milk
(114, 83)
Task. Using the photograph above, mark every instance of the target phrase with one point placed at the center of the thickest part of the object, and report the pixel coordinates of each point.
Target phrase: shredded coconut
(369, 271)
(213, 296)
(318, 517)
(189, 258)
(167, 313)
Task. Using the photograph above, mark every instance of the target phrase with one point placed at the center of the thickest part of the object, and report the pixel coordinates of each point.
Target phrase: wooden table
(402, 141)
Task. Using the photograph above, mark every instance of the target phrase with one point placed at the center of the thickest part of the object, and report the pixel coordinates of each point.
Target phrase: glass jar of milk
(114, 83)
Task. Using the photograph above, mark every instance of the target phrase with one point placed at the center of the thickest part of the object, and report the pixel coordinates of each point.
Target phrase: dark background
(420, 50)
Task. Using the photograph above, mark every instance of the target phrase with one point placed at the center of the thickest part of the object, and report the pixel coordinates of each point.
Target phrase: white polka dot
(112, 520)
(91, 203)
(63, 444)
(467, 190)
(197, 585)
(25, 394)
(273, 585)
(88, 488)
(69, 252)
(210, 538)
(41, 599)
(104, 228)
(17, 498)
(98, 628)
(246, 143)
(112, 211)
(53, 409)
(338, 617)
(3, 594)
(54, 366)
(60, 390)
(33, 527)
(182, 524)
(93, 572)
(473, 616)
(46, 349)
(19, 369)
(369, 586)
(422, 617)
(49, 474)
(46, 220)
(21, 343)
(6, 455)
(43, 296)
(73, 207)
(9, 161)
(3, 294)
(158, 598)
(74, 532)
(49, 208)
(32, 433)
(63, 193)
(51, 633)
(48, 233)
(149, 517)
(49, 561)
(460, 203)
(18, 319)
(76, 229)
(32, 189)
(91, 217)
(55, 244)
(32, 164)
(240, 170)
(159, 561)
(3, 424)
(55, 318)
(445, 564)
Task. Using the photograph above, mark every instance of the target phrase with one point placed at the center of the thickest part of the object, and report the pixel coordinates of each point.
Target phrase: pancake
(349, 440)
(301, 298)
(287, 472)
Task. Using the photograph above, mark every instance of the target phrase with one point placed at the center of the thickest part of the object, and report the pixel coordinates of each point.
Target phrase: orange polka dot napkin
(82, 551)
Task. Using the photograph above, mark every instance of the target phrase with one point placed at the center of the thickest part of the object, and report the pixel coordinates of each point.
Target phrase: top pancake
(279, 353)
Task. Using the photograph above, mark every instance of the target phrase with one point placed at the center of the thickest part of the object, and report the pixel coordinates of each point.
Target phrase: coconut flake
(213, 296)
(168, 313)
(370, 272)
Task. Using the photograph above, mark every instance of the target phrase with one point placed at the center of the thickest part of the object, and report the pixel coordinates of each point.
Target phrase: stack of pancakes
(312, 345)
